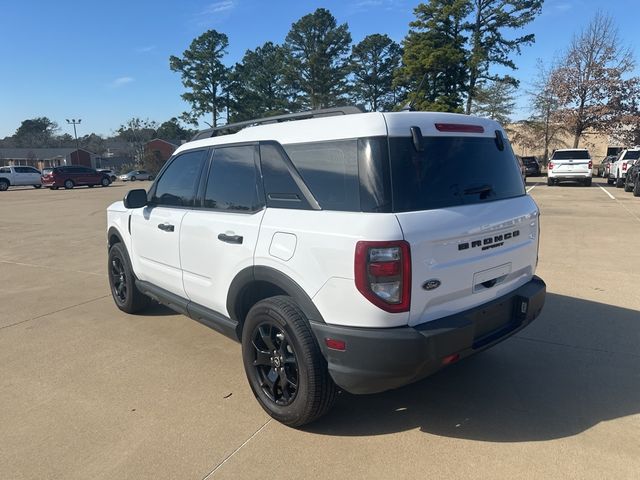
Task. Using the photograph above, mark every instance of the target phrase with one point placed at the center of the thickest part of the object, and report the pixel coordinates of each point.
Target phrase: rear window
(570, 154)
(632, 155)
(451, 171)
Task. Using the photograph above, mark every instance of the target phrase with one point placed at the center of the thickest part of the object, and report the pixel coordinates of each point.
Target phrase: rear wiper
(481, 189)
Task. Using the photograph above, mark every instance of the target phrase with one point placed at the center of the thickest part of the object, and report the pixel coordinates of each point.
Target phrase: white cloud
(120, 82)
(217, 7)
(145, 49)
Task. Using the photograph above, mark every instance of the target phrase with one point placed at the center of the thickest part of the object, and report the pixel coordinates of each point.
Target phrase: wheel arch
(259, 282)
(114, 236)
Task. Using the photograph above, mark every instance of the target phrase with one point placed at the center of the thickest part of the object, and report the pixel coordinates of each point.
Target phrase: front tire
(37, 186)
(4, 186)
(628, 187)
(125, 294)
(283, 363)
(636, 187)
(133, 179)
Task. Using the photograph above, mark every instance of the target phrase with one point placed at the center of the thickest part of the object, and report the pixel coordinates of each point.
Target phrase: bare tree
(590, 80)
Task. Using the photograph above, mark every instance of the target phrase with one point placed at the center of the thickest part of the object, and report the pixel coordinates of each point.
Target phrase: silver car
(136, 175)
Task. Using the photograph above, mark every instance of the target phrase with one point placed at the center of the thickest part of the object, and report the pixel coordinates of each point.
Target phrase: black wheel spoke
(265, 334)
(262, 359)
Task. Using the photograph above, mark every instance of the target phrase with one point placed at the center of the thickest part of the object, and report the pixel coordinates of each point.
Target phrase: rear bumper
(379, 359)
(570, 176)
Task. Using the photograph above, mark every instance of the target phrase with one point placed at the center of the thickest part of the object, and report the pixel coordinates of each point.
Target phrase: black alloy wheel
(275, 363)
(118, 280)
(122, 281)
(283, 362)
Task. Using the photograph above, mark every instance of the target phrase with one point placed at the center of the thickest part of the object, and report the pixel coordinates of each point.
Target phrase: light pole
(75, 122)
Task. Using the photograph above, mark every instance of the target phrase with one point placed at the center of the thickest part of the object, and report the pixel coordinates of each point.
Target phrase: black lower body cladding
(379, 359)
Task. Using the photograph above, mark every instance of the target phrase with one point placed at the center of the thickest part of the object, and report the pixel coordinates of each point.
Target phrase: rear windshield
(529, 161)
(632, 155)
(451, 171)
(571, 154)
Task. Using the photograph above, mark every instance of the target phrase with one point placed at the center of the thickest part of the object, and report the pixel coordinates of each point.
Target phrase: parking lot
(89, 392)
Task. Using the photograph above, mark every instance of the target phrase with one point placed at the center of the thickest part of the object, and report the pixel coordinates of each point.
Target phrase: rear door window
(233, 182)
(451, 171)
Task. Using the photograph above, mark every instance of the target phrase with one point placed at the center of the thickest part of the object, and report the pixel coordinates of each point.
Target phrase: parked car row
(67, 177)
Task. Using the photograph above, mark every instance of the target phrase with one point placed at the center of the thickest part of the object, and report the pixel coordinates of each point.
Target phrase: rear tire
(105, 182)
(609, 181)
(283, 363)
(587, 182)
(125, 294)
(550, 182)
(68, 184)
(37, 186)
(628, 187)
(636, 187)
(619, 182)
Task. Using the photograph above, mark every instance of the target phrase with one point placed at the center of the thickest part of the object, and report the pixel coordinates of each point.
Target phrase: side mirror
(135, 198)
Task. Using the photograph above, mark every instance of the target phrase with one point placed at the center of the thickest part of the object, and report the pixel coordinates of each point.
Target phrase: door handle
(237, 239)
(166, 227)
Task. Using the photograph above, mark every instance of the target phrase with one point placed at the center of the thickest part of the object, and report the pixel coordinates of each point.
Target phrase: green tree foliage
(488, 45)
(35, 133)
(172, 130)
(373, 63)
(318, 61)
(495, 100)
(258, 84)
(204, 75)
(434, 50)
(136, 132)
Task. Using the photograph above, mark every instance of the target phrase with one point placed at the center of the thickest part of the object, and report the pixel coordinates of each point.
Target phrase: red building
(161, 149)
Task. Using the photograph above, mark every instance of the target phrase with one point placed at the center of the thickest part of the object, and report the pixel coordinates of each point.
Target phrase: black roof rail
(324, 112)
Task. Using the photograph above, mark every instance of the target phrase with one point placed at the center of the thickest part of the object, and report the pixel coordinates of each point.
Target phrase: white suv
(340, 250)
(619, 168)
(14, 176)
(570, 165)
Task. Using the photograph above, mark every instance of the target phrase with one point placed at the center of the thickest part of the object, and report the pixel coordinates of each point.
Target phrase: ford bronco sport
(361, 251)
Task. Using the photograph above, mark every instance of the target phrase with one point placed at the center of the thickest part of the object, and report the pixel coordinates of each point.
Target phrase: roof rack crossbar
(324, 112)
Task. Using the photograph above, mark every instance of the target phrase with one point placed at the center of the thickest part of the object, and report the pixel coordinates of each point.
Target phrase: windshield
(571, 155)
(451, 171)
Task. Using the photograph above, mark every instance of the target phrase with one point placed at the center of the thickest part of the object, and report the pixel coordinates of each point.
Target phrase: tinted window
(177, 185)
(5, 170)
(232, 183)
(330, 170)
(632, 155)
(570, 154)
(281, 190)
(22, 170)
(451, 171)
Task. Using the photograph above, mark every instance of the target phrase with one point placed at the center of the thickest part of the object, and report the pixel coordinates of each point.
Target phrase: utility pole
(75, 122)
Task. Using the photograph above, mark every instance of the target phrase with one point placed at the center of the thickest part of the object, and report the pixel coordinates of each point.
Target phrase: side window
(5, 170)
(178, 183)
(232, 184)
(280, 188)
(19, 169)
(330, 169)
(33, 170)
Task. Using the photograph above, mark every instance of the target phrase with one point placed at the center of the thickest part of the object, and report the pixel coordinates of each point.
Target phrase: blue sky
(107, 61)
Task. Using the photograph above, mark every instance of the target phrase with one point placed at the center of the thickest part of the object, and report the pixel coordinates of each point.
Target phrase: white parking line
(607, 192)
(531, 187)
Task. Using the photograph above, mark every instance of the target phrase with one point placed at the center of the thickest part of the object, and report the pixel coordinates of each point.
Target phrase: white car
(13, 176)
(340, 250)
(570, 165)
(618, 169)
(136, 175)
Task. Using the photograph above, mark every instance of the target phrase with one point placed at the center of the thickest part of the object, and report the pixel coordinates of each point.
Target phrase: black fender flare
(259, 273)
(114, 232)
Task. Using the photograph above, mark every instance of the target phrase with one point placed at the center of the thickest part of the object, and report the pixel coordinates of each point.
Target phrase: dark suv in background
(74, 176)
(531, 166)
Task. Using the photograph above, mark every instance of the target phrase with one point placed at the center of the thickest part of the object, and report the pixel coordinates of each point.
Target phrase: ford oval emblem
(431, 284)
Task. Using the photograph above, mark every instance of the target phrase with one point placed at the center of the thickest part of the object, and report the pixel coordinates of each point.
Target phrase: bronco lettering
(489, 242)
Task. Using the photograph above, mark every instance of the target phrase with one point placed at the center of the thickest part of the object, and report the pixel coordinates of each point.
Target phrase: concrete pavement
(89, 392)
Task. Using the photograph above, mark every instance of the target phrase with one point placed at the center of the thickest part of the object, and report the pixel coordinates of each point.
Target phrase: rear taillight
(624, 166)
(590, 164)
(550, 165)
(383, 274)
